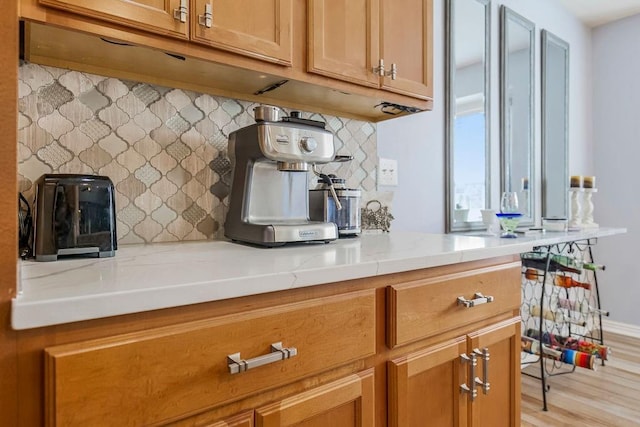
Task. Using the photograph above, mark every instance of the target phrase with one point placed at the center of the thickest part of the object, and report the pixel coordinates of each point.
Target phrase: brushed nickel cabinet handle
(237, 364)
(478, 299)
(180, 13)
(472, 361)
(206, 20)
(394, 71)
(484, 382)
(379, 70)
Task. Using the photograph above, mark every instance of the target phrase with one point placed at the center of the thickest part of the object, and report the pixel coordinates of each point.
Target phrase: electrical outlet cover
(387, 172)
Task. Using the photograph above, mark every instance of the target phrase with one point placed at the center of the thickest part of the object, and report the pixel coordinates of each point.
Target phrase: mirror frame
(450, 110)
(549, 39)
(507, 15)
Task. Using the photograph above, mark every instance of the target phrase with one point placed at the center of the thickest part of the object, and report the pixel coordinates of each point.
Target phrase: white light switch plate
(387, 172)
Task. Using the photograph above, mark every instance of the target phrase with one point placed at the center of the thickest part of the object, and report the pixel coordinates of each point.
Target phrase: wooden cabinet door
(501, 405)
(241, 420)
(407, 41)
(424, 387)
(348, 402)
(343, 40)
(151, 15)
(258, 28)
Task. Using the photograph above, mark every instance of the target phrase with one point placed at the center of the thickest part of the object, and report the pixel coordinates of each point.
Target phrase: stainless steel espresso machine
(269, 200)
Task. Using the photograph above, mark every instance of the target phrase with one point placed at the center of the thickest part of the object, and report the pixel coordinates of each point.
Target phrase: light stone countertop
(154, 276)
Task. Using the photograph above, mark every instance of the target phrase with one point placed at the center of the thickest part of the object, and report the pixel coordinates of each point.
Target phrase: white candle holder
(587, 208)
(576, 219)
(525, 204)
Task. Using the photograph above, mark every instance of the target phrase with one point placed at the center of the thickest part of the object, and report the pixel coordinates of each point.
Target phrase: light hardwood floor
(609, 396)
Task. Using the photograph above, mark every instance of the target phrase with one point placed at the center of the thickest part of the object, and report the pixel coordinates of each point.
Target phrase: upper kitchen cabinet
(379, 43)
(406, 46)
(328, 52)
(258, 28)
(344, 40)
(167, 17)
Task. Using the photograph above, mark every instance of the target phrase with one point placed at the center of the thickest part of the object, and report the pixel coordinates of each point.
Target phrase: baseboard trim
(620, 328)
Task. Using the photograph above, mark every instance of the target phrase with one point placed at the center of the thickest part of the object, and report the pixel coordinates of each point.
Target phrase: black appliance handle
(342, 159)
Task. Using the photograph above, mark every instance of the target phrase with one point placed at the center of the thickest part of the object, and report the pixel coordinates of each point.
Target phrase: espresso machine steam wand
(329, 183)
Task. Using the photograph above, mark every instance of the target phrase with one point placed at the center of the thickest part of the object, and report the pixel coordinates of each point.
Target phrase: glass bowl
(509, 222)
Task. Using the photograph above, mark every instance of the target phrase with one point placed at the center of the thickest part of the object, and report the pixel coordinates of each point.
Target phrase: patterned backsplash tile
(164, 149)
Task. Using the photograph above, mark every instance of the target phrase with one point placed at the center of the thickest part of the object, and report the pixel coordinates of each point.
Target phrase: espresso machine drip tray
(311, 231)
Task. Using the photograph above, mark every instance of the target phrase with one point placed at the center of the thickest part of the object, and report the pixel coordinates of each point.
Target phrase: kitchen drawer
(162, 374)
(423, 308)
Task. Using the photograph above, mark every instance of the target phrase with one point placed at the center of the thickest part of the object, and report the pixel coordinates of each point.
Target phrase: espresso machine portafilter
(269, 199)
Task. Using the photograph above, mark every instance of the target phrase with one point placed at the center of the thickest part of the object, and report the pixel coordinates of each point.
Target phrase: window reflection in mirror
(467, 130)
(555, 126)
(516, 109)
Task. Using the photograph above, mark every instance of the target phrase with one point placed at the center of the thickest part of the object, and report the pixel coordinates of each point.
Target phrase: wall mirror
(517, 49)
(467, 112)
(555, 126)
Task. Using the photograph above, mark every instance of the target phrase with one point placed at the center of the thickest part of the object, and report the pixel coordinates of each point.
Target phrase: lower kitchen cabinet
(348, 402)
(440, 384)
(389, 350)
(470, 381)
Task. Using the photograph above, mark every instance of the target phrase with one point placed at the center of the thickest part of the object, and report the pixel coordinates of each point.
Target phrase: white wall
(616, 117)
(417, 141)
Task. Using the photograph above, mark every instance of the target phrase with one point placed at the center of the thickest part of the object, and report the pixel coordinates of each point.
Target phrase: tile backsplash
(164, 149)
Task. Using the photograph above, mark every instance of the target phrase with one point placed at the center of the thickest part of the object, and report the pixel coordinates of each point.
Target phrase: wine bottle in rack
(570, 282)
(556, 317)
(592, 266)
(572, 357)
(580, 307)
(533, 346)
(539, 261)
(546, 314)
(570, 343)
(575, 263)
(532, 273)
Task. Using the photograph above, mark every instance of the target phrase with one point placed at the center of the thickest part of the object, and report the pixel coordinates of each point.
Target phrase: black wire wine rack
(561, 312)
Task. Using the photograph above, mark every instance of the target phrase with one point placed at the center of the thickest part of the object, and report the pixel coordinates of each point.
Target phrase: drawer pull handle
(478, 299)
(237, 365)
(472, 360)
(484, 382)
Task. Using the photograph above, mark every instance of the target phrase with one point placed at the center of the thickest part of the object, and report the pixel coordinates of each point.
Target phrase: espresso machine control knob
(308, 144)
